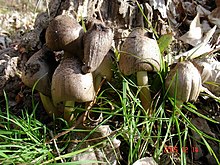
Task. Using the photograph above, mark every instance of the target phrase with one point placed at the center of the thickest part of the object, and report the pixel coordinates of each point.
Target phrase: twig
(55, 144)
(67, 131)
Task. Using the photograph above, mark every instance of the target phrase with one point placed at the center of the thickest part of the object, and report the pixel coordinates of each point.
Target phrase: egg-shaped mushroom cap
(38, 71)
(70, 84)
(97, 42)
(184, 82)
(64, 33)
(139, 53)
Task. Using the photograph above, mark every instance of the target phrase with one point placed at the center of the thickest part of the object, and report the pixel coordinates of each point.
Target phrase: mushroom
(140, 54)
(65, 33)
(184, 82)
(97, 42)
(70, 85)
(38, 72)
(104, 70)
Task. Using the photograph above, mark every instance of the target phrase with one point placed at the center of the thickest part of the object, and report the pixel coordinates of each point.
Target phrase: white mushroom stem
(49, 106)
(68, 111)
(145, 96)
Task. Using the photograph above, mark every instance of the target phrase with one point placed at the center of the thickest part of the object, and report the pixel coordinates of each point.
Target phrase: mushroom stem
(68, 111)
(98, 80)
(49, 106)
(179, 104)
(145, 96)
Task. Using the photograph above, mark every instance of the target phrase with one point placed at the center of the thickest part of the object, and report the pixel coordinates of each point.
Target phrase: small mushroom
(140, 54)
(97, 42)
(184, 82)
(104, 70)
(65, 33)
(38, 72)
(70, 85)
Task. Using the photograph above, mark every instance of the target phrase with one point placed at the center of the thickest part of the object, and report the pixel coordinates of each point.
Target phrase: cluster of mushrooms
(76, 77)
(88, 58)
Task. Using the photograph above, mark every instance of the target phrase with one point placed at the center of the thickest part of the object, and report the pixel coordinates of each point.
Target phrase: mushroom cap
(184, 80)
(64, 33)
(70, 84)
(105, 68)
(38, 70)
(97, 42)
(139, 53)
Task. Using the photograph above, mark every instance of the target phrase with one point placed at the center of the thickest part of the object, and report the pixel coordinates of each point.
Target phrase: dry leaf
(205, 26)
(160, 5)
(202, 125)
(8, 67)
(175, 12)
(198, 50)
(217, 2)
(145, 161)
(194, 35)
(189, 8)
(203, 12)
(105, 152)
(214, 17)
